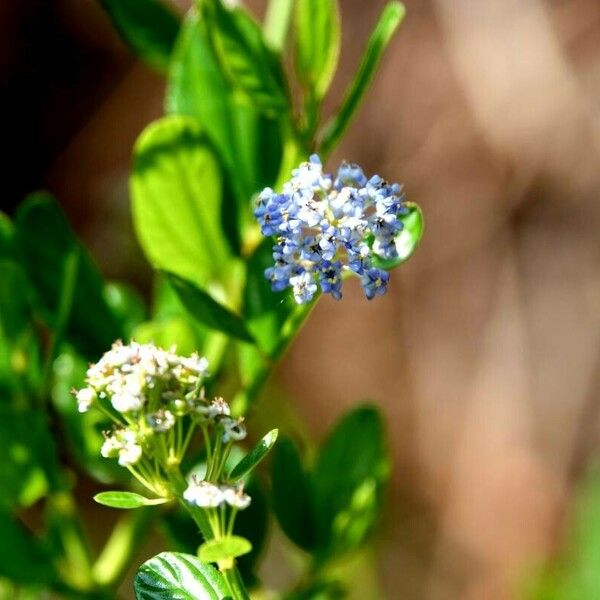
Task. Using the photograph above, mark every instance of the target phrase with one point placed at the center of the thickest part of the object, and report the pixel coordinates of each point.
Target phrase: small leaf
(249, 462)
(179, 576)
(224, 549)
(389, 21)
(292, 501)
(176, 194)
(127, 500)
(348, 477)
(208, 311)
(408, 239)
(148, 26)
(317, 43)
(245, 58)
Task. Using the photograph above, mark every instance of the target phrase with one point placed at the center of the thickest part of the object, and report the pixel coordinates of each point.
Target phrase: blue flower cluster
(326, 226)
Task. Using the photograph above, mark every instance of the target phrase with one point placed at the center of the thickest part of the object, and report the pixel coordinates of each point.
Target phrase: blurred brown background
(485, 354)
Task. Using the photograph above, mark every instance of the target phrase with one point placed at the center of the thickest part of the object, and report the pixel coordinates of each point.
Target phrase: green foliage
(25, 559)
(292, 496)
(178, 576)
(245, 58)
(68, 287)
(255, 456)
(224, 549)
(126, 500)
(351, 469)
(30, 464)
(330, 510)
(318, 35)
(389, 21)
(148, 26)
(575, 575)
(176, 194)
(208, 311)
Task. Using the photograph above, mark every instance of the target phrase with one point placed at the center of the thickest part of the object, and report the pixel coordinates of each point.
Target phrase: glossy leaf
(317, 43)
(408, 239)
(149, 27)
(247, 142)
(126, 500)
(389, 21)
(245, 58)
(224, 549)
(176, 576)
(47, 247)
(208, 311)
(292, 497)
(176, 200)
(253, 458)
(348, 477)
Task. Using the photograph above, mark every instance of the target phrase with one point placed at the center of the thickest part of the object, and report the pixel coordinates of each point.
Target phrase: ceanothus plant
(152, 405)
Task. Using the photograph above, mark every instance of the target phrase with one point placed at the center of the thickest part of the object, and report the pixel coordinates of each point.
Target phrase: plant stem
(236, 585)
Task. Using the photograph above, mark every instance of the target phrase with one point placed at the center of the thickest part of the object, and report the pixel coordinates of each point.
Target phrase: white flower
(130, 454)
(234, 496)
(234, 429)
(217, 408)
(203, 494)
(122, 443)
(125, 402)
(85, 398)
(161, 421)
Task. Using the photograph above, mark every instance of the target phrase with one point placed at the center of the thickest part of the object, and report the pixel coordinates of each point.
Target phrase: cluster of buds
(155, 399)
(210, 495)
(326, 226)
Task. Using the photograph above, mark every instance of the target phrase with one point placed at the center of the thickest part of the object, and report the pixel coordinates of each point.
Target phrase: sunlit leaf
(178, 577)
(126, 500)
(224, 549)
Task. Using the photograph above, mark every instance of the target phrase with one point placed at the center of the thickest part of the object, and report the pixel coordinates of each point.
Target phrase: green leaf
(318, 34)
(23, 557)
(176, 194)
(292, 501)
(30, 464)
(208, 311)
(249, 462)
(224, 549)
(348, 479)
(247, 143)
(176, 576)
(408, 239)
(126, 500)
(147, 26)
(245, 58)
(51, 255)
(19, 346)
(389, 21)
(7, 234)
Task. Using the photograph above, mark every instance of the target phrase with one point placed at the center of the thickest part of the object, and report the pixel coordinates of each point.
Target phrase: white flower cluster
(209, 495)
(129, 374)
(123, 444)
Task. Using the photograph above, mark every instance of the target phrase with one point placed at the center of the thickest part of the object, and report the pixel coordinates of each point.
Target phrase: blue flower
(327, 226)
(374, 282)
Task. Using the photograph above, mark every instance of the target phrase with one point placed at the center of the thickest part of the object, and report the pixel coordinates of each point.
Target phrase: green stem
(236, 585)
(121, 546)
